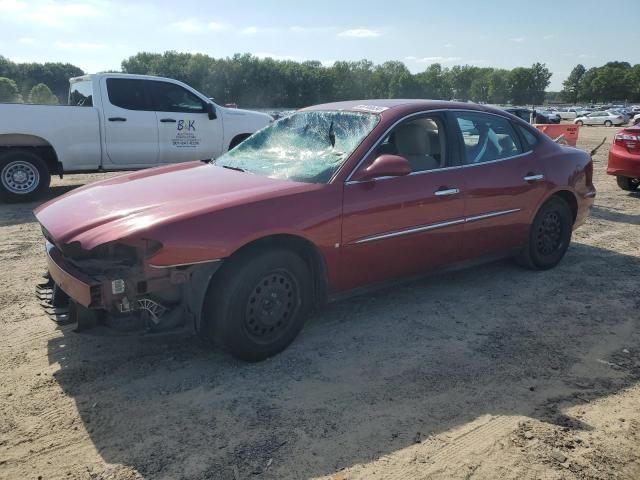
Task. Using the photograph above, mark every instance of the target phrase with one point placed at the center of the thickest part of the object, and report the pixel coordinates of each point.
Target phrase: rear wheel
(257, 305)
(628, 184)
(608, 123)
(23, 176)
(549, 236)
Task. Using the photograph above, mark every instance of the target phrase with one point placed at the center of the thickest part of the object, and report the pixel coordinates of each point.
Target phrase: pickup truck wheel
(628, 184)
(257, 305)
(549, 236)
(23, 176)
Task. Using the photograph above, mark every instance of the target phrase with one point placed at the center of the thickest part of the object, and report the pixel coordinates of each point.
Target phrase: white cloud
(448, 45)
(27, 41)
(80, 45)
(550, 36)
(437, 59)
(193, 25)
(50, 13)
(518, 39)
(360, 33)
(188, 25)
(215, 26)
(300, 29)
(249, 30)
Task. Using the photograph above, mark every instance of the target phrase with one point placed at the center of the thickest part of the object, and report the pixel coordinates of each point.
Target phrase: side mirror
(384, 166)
(211, 111)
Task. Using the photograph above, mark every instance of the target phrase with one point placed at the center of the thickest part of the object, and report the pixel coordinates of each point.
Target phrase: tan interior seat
(413, 142)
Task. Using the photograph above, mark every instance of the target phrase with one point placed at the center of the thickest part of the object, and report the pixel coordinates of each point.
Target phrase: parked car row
(606, 118)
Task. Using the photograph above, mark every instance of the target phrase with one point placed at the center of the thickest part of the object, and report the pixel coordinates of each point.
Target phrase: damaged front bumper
(125, 297)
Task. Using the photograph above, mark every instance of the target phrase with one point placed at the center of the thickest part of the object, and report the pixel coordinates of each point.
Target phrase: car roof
(393, 107)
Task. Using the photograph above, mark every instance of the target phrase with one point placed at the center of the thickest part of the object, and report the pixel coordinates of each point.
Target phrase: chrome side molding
(433, 226)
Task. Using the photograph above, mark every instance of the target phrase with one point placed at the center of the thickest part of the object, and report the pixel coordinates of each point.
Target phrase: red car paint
(199, 212)
(624, 155)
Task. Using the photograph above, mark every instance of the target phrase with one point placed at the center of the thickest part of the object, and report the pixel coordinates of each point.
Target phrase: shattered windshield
(304, 147)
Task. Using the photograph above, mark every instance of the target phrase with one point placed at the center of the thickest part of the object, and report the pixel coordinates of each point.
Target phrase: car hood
(127, 204)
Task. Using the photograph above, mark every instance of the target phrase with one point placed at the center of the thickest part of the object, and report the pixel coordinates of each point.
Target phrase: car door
(596, 118)
(504, 182)
(397, 226)
(130, 126)
(185, 130)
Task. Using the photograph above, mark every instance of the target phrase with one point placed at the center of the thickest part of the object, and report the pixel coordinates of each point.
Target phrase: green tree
(571, 86)
(461, 78)
(499, 86)
(41, 94)
(9, 91)
(540, 80)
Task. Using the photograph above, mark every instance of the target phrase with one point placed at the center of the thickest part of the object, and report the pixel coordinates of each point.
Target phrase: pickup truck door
(185, 130)
(130, 125)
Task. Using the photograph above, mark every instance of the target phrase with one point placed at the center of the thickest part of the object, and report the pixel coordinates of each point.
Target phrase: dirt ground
(493, 372)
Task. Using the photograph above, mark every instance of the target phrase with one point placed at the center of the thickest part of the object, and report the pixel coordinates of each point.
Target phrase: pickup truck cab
(114, 122)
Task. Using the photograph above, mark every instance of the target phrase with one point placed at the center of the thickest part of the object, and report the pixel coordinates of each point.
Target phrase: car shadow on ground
(19, 213)
(367, 376)
(613, 215)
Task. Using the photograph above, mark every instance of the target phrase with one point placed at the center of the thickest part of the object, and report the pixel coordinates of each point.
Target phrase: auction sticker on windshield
(370, 108)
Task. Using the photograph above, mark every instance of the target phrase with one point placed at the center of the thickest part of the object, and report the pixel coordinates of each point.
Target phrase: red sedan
(624, 158)
(327, 200)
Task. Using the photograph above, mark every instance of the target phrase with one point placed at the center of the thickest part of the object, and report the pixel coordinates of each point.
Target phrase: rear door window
(128, 93)
(486, 137)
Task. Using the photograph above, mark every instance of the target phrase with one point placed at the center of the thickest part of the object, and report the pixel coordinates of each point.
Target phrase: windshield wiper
(237, 169)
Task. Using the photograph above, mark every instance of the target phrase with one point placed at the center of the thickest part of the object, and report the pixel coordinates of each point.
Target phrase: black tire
(608, 123)
(549, 236)
(580, 123)
(258, 303)
(628, 184)
(24, 176)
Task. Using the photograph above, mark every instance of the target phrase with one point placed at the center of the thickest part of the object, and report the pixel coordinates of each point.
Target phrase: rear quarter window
(530, 140)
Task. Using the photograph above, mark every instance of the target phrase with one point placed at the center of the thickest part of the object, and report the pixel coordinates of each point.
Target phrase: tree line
(35, 82)
(614, 81)
(266, 82)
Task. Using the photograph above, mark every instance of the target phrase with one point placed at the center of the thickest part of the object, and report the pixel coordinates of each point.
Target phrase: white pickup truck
(114, 122)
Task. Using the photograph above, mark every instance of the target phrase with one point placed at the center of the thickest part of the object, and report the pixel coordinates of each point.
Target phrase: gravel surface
(492, 372)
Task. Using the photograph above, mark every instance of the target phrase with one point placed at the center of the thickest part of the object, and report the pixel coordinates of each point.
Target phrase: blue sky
(97, 35)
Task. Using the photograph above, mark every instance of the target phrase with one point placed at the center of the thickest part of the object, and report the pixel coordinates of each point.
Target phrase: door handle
(117, 119)
(168, 120)
(533, 178)
(446, 191)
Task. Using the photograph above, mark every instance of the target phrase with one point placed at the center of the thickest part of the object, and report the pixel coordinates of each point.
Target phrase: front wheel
(580, 123)
(23, 176)
(608, 123)
(549, 236)
(258, 304)
(628, 184)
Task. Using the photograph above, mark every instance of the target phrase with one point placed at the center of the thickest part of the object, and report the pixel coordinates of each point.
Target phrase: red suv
(624, 158)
